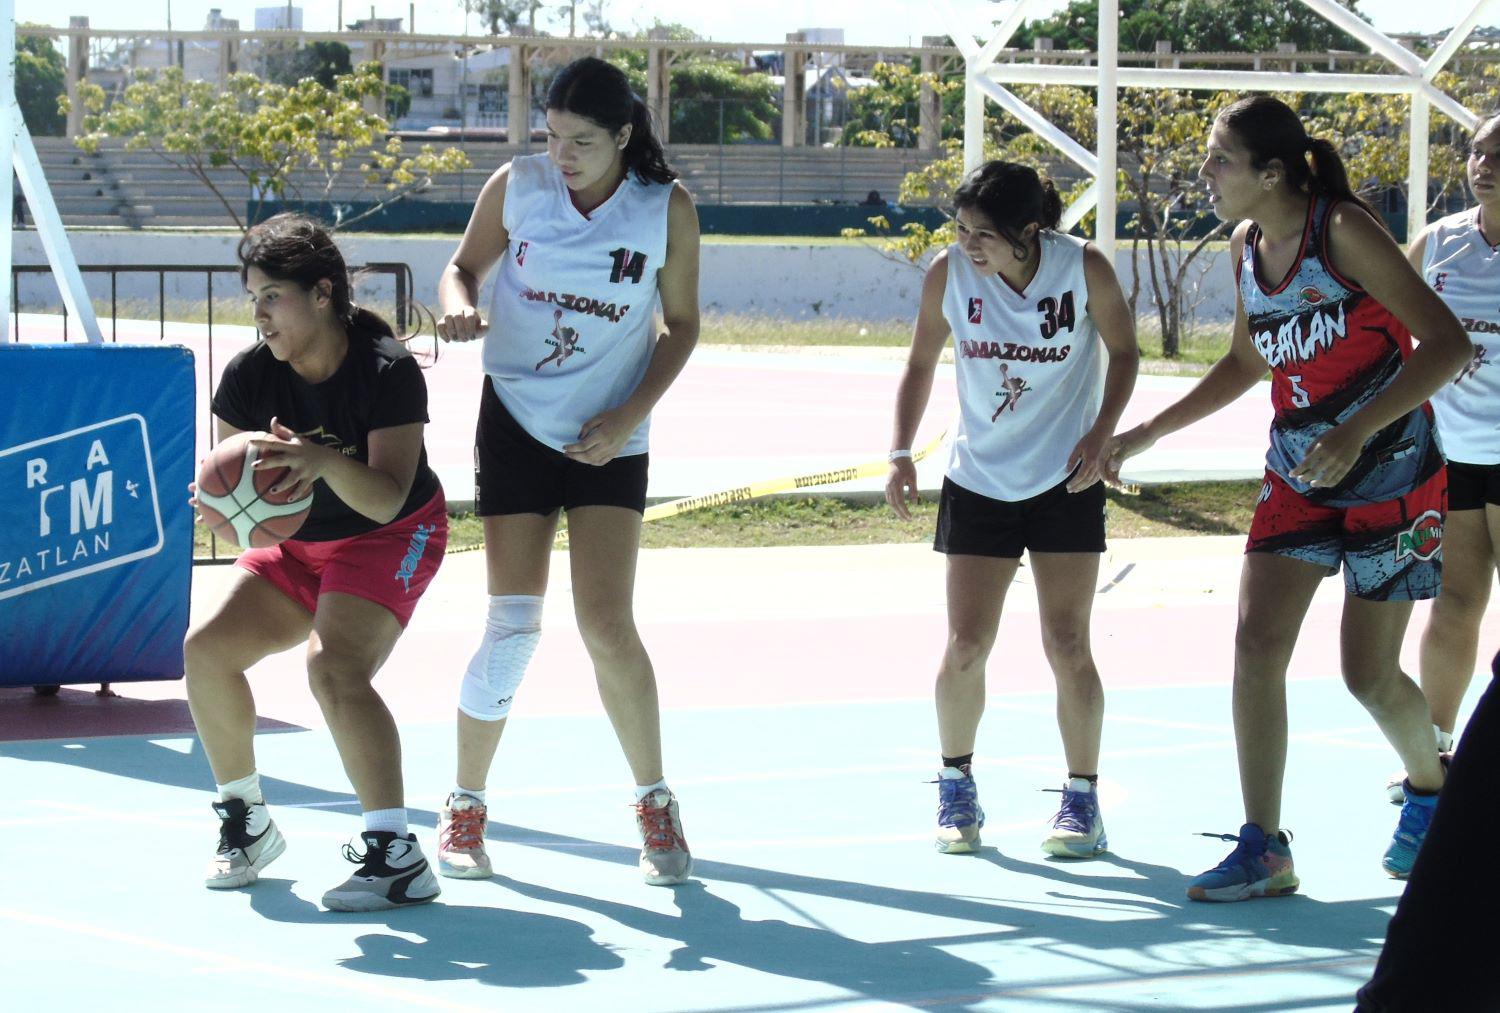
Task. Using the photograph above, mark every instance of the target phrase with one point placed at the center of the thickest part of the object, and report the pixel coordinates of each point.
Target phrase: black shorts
(515, 473)
(970, 524)
(1472, 486)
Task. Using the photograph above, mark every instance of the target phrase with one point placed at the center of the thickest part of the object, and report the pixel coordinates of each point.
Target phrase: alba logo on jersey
(1424, 539)
(976, 311)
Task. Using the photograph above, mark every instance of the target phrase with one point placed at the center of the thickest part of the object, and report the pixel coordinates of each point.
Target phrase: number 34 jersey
(1332, 348)
(1030, 379)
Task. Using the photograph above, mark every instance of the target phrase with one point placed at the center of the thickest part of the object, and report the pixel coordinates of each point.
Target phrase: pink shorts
(390, 566)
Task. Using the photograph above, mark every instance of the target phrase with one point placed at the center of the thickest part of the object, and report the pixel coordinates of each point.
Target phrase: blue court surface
(800, 737)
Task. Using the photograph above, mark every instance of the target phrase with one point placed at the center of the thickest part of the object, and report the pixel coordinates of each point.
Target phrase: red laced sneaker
(461, 853)
(665, 859)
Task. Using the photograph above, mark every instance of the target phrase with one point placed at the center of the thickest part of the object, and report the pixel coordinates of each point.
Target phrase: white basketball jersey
(1464, 270)
(571, 317)
(1030, 379)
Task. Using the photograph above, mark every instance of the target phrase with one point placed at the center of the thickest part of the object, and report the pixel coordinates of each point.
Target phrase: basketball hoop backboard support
(984, 77)
(17, 150)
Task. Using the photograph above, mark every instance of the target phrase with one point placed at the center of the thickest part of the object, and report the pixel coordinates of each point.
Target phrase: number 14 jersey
(1030, 379)
(1332, 348)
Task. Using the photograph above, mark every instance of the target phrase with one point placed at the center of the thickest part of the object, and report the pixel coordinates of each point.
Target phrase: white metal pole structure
(1107, 110)
(1413, 78)
(17, 149)
(10, 120)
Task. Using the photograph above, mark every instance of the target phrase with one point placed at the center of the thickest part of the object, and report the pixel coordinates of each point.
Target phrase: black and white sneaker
(248, 842)
(391, 873)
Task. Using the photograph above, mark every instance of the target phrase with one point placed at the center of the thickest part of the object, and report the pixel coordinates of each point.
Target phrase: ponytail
(1052, 205)
(367, 321)
(1327, 176)
(643, 152)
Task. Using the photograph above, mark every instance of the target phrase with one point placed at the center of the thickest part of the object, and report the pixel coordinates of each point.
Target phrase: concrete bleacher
(138, 189)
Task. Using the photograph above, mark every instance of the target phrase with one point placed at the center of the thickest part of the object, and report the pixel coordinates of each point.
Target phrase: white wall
(799, 282)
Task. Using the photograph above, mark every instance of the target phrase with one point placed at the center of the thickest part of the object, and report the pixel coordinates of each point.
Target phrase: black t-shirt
(377, 386)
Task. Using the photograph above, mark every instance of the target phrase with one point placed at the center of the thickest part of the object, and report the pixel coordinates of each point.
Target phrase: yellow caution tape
(766, 487)
(772, 486)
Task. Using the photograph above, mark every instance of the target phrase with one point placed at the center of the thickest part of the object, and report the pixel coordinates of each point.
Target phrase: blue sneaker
(1411, 831)
(1077, 829)
(1259, 866)
(959, 814)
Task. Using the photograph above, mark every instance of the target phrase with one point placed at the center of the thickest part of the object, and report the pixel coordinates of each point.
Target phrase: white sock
(392, 820)
(1080, 784)
(246, 788)
(477, 794)
(642, 790)
(1444, 739)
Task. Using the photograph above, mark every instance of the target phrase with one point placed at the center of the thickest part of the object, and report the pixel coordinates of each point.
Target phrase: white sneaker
(248, 842)
(665, 859)
(391, 873)
(461, 853)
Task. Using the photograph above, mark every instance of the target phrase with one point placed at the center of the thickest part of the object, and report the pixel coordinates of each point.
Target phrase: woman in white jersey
(592, 239)
(1354, 479)
(1460, 258)
(1028, 308)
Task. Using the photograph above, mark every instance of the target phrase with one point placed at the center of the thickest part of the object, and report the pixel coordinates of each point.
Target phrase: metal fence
(397, 276)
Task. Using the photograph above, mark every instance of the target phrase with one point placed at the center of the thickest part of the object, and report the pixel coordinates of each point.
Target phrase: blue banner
(96, 451)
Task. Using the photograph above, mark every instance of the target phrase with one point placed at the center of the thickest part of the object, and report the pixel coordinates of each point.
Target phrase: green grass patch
(720, 239)
(754, 331)
(1168, 509)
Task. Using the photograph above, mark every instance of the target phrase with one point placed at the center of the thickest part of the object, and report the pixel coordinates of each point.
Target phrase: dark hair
(295, 248)
(1486, 121)
(1270, 129)
(1012, 196)
(600, 92)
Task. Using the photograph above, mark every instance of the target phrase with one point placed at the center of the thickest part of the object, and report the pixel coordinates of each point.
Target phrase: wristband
(897, 455)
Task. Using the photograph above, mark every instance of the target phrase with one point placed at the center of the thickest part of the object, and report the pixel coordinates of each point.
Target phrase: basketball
(235, 501)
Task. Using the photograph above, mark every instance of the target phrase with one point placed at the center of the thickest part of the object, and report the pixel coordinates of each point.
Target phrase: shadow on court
(83, 713)
(1130, 927)
(493, 946)
(154, 763)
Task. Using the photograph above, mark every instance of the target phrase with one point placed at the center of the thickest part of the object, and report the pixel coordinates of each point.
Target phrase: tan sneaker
(1077, 830)
(461, 853)
(665, 859)
(960, 817)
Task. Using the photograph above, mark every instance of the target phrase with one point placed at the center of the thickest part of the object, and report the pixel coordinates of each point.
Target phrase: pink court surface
(798, 729)
(737, 416)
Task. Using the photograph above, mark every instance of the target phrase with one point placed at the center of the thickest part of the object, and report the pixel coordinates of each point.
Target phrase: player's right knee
(511, 632)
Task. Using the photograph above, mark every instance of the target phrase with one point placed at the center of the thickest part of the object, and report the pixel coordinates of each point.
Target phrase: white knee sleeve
(511, 632)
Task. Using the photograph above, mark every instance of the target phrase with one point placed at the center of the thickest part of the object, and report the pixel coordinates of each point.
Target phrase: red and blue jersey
(1332, 348)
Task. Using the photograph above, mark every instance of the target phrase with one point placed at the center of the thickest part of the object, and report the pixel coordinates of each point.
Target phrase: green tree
(714, 102)
(886, 114)
(324, 62)
(273, 137)
(504, 16)
(1204, 26)
(41, 80)
(705, 88)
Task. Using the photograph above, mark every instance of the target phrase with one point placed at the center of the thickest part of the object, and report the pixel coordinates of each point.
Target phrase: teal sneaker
(1411, 831)
(959, 814)
(1259, 866)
